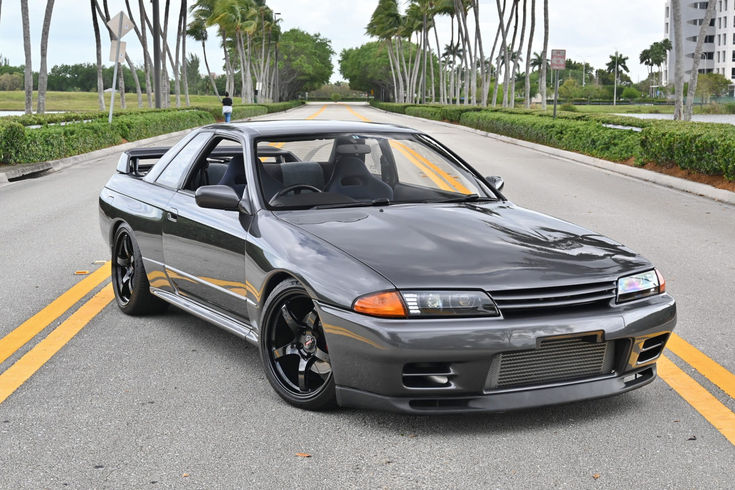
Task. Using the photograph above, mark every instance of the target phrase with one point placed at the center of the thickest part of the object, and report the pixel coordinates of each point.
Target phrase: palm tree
(619, 61)
(98, 45)
(239, 17)
(27, 50)
(537, 61)
(678, 59)
(197, 29)
(544, 55)
(43, 71)
(527, 87)
(687, 115)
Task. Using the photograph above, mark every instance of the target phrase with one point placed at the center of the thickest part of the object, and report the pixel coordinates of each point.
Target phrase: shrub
(453, 113)
(705, 148)
(12, 141)
(336, 97)
(140, 126)
(390, 106)
(425, 112)
(282, 106)
(568, 107)
(589, 137)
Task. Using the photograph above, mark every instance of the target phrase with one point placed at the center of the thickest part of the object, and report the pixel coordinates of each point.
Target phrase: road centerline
(22, 334)
(17, 374)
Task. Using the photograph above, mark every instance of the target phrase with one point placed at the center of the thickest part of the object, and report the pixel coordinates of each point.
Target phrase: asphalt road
(172, 401)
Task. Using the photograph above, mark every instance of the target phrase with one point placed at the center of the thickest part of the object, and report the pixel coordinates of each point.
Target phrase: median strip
(35, 324)
(26, 366)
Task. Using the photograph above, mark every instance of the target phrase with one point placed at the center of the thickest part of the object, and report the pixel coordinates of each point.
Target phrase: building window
(711, 22)
(709, 39)
(724, 22)
(732, 73)
(710, 55)
(719, 22)
(733, 55)
(666, 28)
(720, 5)
(667, 12)
(718, 56)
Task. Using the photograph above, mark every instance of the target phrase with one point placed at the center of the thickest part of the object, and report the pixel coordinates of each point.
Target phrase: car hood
(489, 246)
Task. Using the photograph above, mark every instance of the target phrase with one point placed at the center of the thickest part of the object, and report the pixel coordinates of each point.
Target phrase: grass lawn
(86, 101)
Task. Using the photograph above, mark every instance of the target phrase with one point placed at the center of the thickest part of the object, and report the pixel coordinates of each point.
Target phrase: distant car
(375, 268)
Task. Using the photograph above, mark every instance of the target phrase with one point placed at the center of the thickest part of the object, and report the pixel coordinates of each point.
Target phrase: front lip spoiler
(499, 401)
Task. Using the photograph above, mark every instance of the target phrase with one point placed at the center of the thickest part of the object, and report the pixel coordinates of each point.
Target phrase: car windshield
(351, 169)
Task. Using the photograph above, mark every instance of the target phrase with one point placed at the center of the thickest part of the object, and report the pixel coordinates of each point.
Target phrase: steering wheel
(296, 188)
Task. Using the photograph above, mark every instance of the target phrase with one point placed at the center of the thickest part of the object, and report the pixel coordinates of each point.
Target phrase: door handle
(172, 214)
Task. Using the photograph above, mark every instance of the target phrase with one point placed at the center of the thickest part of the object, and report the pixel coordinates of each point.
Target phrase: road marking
(702, 363)
(18, 373)
(317, 112)
(702, 400)
(356, 114)
(35, 324)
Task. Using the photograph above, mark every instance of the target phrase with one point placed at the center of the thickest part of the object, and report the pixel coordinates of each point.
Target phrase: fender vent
(427, 375)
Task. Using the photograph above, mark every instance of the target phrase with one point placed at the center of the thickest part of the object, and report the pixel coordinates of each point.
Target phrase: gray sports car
(375, 268)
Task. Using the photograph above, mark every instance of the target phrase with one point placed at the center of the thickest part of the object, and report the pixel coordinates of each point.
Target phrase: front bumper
(369, 356)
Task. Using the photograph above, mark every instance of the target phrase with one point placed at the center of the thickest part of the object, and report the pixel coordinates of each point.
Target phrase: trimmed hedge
(19, 144)
(426, 112)
(22, 144)
(706, 148)
(588, 137)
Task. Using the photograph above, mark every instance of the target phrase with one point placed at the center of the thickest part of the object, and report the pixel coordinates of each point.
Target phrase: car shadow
(246, 357)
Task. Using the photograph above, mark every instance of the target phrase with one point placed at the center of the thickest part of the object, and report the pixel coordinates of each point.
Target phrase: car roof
(306, 127)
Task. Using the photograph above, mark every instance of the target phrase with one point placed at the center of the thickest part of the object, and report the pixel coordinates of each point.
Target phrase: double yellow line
(17, 374)
(716, 413)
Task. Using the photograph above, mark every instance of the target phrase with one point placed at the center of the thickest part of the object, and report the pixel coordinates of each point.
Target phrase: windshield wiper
(381, 201)
(465, 198)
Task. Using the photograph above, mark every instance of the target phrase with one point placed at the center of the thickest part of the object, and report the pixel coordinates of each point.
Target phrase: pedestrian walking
(227, 107)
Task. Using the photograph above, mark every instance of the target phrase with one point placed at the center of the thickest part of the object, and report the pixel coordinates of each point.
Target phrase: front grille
(519, 300)
(555, 360)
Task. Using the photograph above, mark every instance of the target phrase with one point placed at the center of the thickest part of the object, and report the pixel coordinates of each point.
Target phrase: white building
(718, 54)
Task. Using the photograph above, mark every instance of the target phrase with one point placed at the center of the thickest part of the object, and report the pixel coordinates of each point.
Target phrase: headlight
(640, 285)
(449, 303)
(427, 304)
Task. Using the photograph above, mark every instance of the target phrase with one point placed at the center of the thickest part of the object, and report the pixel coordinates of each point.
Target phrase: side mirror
(496, 181)
(217, 197)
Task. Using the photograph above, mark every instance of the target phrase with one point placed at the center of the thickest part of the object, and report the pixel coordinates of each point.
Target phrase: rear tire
(129, 280)
(294, 349)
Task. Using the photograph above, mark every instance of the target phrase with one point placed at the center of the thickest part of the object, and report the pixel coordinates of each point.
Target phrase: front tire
(294, 349)
(129, 280)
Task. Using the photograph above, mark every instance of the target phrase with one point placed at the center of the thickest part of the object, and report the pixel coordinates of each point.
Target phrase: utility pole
(277, 95)
(615, 82)
(156, 53)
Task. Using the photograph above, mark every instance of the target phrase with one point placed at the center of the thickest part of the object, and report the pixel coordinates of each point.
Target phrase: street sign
(558, 59)
(120, 29)
(113, 51)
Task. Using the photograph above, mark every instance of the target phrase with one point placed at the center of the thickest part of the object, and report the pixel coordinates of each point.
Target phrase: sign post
(558, 62)
(119, 26)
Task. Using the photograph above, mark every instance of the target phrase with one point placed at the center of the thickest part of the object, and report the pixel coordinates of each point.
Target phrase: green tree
(711, 85)
(630, 93)
(304, 62)
(570, 89)
(367, 68)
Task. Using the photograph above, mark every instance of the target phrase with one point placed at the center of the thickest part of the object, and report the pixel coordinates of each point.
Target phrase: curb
(16, 171)
(703, 190)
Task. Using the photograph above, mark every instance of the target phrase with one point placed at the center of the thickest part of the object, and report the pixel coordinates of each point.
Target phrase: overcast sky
(590, 30)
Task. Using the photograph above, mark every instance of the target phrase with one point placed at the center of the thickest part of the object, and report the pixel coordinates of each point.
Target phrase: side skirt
(238, 328)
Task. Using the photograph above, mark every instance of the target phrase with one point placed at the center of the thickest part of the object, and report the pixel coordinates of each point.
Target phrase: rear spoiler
(139, 161)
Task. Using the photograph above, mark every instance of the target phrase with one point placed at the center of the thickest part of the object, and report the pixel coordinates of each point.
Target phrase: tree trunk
(387, 43)
(442, 91)
(43, 71)
(542, 77)
(503, 51)
(98, 44)
(678, 60)
(527, 93)
(518, 52)
(483, 69)
(27, 50)
(240, 51)
(687, 115)
(143, 38)
(248, 74)
(230, 85)
(183, 53)
(209, 72)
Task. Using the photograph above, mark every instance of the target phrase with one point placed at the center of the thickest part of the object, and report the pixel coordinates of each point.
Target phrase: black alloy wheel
(294, 349)
(129, 281)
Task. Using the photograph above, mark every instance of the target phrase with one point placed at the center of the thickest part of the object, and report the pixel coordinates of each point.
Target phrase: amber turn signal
(661, 282)
(387, 304)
